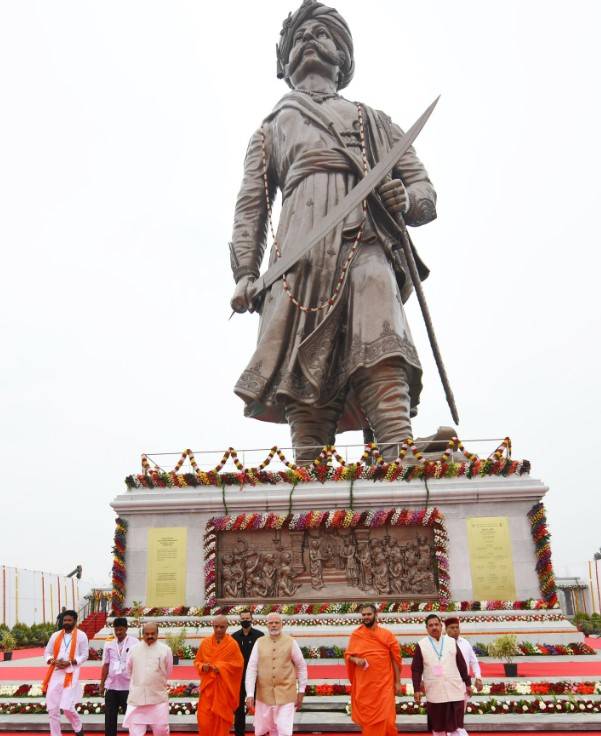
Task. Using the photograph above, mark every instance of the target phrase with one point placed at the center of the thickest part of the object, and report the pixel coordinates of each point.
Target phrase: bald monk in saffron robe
(220, 665)
(373, 662)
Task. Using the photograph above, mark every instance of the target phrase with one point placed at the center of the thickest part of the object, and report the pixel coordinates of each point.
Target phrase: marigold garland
(119, 572)
(371, 466)
(544, 565)
(338, 519)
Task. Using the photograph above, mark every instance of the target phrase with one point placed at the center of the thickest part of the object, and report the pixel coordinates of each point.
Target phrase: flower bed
(190, 689)
(526, 649)
(332, 619)
(316, 609)
(518, 707)
(85, 708)
(538, 706)
(491, 706)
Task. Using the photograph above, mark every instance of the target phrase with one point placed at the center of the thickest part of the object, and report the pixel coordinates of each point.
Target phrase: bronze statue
(334, 350)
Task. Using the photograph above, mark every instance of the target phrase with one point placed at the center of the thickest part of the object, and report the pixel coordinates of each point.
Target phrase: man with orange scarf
(373, 662)
(66, 651)
(220, 664)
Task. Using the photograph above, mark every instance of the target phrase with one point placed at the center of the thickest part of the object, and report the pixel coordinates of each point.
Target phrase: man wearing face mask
(149, 667)
(373, 662)
(246, 637)
(66, 651)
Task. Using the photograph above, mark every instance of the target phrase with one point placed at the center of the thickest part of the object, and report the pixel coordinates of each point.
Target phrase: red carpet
(27, 653)
(338, 671)
(593, 642)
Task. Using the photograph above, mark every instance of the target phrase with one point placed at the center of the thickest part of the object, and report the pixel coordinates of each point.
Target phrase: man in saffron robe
(66, 651)
(373, 662)
(220, 664)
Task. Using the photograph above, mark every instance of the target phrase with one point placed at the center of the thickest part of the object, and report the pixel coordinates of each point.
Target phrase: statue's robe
(310, 357)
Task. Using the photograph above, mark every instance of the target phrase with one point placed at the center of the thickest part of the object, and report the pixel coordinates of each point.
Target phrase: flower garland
(339, 519)
(119, 572)
(544, 565)
(371, 466)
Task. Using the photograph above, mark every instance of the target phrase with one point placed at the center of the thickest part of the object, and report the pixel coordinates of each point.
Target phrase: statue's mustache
(325, 53)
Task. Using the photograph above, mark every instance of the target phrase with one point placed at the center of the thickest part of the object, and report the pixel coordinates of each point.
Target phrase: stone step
(338, 722)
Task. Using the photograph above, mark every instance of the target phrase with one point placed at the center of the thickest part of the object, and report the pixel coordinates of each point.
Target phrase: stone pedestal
(457, 499)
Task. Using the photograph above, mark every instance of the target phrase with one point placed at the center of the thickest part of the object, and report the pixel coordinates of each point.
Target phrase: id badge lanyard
(120, 666)
(438, 671)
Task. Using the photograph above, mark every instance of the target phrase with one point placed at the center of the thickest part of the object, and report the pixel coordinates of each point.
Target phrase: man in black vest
(246, 638)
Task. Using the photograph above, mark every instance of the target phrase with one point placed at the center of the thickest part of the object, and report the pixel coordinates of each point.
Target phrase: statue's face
(313, 51)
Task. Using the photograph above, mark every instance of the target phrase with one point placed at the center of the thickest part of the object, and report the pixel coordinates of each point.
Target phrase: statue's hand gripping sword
(303, 243)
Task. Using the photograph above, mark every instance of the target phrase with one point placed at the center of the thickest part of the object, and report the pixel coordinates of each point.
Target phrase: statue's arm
(250, 215)
(422, 197)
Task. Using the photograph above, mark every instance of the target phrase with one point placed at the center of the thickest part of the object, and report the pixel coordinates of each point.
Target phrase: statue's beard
(297, 55)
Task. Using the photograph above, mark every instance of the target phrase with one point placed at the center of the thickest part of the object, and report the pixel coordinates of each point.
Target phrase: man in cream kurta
(149, 667)
(279, 671)
(58, 696)
(439, 671)
(451, 627)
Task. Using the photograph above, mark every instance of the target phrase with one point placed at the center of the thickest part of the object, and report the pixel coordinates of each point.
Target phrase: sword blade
(358, 193)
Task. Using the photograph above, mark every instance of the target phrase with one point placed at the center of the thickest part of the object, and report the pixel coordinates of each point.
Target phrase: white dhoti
(138, 717)
(276, 720)
(63, 698)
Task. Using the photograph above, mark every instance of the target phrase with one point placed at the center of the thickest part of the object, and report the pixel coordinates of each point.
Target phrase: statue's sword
(304, 242)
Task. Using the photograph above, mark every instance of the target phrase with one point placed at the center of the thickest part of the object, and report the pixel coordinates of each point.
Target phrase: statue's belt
(315, 161)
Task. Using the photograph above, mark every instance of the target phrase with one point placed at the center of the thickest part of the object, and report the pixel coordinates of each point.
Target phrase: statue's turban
(334, 22)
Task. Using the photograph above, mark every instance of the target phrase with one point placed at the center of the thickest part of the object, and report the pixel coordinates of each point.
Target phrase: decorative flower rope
(119, 574)
(371, 466)
(544, 565)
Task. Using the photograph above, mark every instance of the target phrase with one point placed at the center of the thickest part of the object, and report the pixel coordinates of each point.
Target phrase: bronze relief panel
(326, 564)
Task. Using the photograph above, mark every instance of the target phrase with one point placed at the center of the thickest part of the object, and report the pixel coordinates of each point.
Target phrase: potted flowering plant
(176, 642)
(506, 648)
(7, 643)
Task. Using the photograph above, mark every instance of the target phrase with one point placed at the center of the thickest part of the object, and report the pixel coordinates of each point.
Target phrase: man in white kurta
(279, 671)
(149, 667)
(65, 667)
(473, 666)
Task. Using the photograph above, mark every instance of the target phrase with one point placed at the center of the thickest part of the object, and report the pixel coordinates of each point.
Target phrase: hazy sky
(122, 135)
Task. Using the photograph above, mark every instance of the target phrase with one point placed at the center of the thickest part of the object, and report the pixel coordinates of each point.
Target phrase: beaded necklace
(330, 301)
